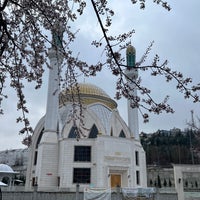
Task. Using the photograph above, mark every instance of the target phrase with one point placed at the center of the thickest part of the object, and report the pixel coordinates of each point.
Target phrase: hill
(174, 146)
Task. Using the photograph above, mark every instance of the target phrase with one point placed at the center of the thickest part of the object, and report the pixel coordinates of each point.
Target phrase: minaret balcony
(131, 73)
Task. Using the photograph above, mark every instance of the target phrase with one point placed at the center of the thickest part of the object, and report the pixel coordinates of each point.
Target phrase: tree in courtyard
(165, 183)
(159, 181)
(25, 27)
(170, 183)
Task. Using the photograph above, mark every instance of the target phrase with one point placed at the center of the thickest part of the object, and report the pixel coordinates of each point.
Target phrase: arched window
(122, 134)
(39, 138)
(93, 132)
(72, 133)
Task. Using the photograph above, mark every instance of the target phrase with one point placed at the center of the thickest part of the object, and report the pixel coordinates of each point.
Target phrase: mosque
(110, 153)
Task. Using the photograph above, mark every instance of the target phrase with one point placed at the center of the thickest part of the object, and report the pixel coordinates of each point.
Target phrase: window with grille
(82, 153)
(81, 175)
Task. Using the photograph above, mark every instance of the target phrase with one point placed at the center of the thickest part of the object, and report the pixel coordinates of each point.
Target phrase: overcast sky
(176, 35)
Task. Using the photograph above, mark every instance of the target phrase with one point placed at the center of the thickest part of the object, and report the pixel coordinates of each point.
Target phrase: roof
(130, 49)
(90, 89)
(89, 94)
(6, 169)
(3, 184)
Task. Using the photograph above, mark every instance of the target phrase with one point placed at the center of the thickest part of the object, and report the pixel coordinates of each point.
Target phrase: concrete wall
(40, 196)
(9, 195)
(166, 196)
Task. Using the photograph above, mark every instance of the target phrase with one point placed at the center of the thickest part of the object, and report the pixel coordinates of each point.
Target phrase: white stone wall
(109, 155)
(47, 166)
(67, 162)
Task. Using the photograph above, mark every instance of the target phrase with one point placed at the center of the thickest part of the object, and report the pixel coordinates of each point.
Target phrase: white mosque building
(109, 155)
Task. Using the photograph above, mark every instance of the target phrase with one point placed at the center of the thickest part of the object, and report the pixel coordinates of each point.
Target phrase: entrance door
(115, 180)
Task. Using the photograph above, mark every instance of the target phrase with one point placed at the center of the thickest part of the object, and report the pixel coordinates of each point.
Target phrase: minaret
(47, 168)
(132, 75)
(51, 118)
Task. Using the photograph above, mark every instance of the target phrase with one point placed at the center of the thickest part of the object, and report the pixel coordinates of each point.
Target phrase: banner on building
(130, 193)
(97, 194)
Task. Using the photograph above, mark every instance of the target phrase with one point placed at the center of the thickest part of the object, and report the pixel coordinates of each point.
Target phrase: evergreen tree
(159, 181)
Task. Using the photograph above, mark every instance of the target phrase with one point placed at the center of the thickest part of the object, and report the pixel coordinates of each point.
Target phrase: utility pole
(192, 119)
(191, 147)
(190, 132)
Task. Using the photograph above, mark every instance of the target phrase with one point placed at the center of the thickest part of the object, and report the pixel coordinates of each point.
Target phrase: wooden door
(115, 180)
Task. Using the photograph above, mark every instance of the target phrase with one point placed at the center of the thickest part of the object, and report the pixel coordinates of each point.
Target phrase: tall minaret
(132, 74)
(47, 168)
(51, 118)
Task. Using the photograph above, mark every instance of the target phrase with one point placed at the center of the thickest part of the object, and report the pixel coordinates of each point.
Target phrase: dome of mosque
(89, 94)
(6, 168)
(130, 49)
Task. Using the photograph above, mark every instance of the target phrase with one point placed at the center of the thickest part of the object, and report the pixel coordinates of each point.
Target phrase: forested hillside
(174, 146)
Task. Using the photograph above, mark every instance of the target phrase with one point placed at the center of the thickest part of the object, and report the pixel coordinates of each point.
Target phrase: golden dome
(130, 50)
(89, 94)
(91, 89)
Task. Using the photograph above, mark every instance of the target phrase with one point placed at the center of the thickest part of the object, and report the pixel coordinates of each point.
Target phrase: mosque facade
(108, 153)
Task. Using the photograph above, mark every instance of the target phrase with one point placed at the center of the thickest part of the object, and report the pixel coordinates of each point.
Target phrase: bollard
(77, 191)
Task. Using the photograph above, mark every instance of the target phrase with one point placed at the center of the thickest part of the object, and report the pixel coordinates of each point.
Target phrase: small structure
(2, 184)
(187, 181)
(6, 173)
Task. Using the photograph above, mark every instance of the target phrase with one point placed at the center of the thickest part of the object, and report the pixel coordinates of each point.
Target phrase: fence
(116, 194)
